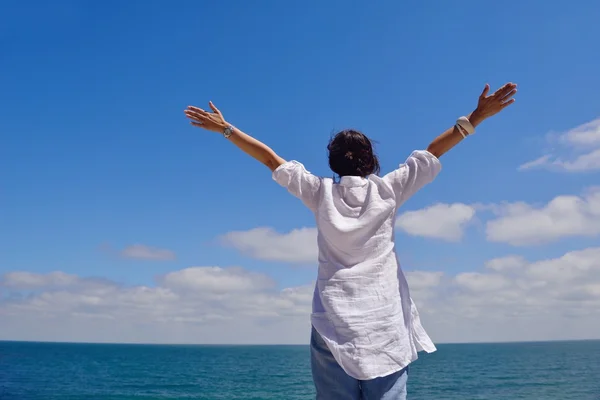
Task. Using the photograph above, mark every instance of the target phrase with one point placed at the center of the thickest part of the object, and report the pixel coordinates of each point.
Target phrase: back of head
(351, 154)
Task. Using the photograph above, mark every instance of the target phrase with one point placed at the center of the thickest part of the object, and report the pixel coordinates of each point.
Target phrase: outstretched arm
(214, 121)
(487, 107)
(422, 167)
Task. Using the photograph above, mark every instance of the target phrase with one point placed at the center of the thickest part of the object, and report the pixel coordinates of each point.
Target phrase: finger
(196, 115)
(215, 109)
(198, 110)
(486, 90)
(504, 90)
(197, 120)
(498, 92)
(507, 103)
(196, 123)
(509, 94)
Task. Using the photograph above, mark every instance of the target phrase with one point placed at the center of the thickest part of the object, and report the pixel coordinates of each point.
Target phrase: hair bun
(351, 154)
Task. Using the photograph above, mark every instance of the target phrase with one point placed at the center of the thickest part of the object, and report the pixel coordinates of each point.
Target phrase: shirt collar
(353, 181)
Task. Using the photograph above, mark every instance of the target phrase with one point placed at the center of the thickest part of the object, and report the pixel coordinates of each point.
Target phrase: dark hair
(351, 154)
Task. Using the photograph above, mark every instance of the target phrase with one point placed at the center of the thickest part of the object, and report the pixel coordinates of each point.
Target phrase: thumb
(212, 106)
(486, 90)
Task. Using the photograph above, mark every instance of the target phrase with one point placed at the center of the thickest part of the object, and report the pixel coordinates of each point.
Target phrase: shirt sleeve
(299, 182)
(419, 169)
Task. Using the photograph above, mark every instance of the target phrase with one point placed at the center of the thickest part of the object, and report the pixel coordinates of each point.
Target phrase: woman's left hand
(212, 121)
(487, 106)
(491, 105)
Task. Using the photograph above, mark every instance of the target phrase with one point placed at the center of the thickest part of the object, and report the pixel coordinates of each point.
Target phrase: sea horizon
(284, 344)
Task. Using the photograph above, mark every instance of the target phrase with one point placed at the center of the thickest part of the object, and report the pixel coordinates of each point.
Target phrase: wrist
(221, 127)
(476, 118)
(228, 130)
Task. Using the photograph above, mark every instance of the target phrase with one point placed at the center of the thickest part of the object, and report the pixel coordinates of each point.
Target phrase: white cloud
(584, 162)
(506, 263)
(481, 282)
(420, 280)
(538, 162)
(142, 252)
(195, 305)
(575, 266)
(514, 299)
(582, 143)
(439, 221)
(584, 135)
(510, 299)
(28, 280)
(521, 224)
(296, 246)
(217, 280)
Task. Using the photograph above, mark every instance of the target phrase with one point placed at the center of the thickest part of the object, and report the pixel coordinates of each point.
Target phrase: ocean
(69, 371)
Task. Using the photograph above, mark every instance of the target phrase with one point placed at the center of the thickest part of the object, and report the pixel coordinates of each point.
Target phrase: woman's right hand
(203, 119)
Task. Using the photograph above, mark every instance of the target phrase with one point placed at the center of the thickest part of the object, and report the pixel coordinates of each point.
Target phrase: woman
(365, 327)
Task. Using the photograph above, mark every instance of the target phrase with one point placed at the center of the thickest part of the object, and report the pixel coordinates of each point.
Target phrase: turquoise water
(536, 371)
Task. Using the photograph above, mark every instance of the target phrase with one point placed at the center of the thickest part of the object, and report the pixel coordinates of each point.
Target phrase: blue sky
(97, 155)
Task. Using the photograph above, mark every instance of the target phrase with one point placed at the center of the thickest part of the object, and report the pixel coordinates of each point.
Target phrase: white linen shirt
(361, 305)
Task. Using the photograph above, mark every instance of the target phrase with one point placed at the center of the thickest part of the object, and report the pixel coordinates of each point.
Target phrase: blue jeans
(333, 383)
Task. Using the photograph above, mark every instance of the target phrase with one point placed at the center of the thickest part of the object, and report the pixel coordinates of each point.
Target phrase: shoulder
(424, 158)
(289, 165)
(294, 171)
(292, 167)
(380, 183)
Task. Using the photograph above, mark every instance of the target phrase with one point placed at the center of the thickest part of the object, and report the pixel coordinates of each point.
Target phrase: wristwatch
(228, 131)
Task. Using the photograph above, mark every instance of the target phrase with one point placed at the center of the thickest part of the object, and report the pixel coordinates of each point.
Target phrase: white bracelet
(465, 124)
(460, 130)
